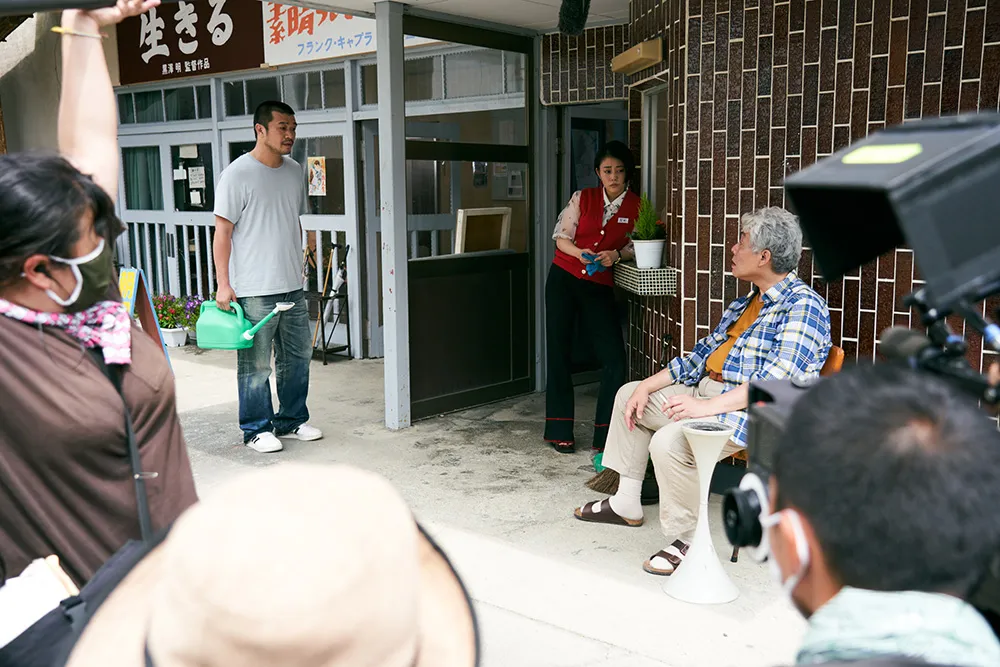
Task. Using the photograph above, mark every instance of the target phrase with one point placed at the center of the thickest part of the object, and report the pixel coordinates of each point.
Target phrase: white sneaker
(305, 432)
(265, 443)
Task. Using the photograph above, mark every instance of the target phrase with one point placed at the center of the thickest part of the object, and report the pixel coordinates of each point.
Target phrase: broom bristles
(605, 482)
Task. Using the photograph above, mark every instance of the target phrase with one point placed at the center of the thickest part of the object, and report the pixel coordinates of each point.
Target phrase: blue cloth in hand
(593, 266)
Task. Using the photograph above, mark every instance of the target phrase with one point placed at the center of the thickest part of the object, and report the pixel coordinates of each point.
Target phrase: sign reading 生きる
(298, 34)
(190, 38)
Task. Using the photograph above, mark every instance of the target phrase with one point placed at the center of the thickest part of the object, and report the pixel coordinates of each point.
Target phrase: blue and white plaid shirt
(790, 337)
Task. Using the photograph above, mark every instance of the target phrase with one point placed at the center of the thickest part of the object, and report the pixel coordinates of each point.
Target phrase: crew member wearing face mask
(66, 485)
(885, 491)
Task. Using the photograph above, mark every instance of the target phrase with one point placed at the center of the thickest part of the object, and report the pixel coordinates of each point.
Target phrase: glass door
(434, 196)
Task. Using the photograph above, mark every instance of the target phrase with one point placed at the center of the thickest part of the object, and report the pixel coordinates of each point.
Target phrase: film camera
(929, 185)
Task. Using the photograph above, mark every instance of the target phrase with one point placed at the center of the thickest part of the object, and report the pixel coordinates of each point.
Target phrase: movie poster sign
(192, 38)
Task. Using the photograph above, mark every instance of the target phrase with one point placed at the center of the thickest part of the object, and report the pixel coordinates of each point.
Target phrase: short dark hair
(264, 113)
(620, 152)
(899, 475)
(42, 199)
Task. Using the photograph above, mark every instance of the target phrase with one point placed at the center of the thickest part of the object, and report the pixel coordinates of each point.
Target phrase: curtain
(143, 178)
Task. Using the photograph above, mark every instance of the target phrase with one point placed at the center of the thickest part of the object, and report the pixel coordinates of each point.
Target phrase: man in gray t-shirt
(258, 263)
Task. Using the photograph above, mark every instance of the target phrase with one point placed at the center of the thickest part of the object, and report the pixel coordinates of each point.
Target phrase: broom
(607, 480)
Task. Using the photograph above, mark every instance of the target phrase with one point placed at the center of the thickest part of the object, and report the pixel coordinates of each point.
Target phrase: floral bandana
(106, 325)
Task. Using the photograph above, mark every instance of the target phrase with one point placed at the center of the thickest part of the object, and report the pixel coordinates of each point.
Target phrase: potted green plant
(649, 236)
(171, 317)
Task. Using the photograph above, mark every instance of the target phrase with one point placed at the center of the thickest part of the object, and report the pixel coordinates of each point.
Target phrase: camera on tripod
(928, 185)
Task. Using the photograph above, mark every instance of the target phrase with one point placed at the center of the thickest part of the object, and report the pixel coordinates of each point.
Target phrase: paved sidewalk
(501, 502)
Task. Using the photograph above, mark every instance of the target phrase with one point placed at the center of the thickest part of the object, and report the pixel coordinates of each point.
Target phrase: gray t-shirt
(265, 204)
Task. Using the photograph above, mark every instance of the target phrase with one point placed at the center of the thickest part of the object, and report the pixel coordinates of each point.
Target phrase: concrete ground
(550, 591)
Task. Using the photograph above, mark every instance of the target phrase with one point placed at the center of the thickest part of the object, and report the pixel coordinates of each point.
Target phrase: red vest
(591, 237)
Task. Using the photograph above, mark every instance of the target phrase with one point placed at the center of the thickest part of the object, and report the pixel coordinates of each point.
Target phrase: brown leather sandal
(600, 511)
(673, 554)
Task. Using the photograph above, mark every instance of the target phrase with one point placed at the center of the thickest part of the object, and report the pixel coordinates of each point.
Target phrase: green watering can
(219, 329)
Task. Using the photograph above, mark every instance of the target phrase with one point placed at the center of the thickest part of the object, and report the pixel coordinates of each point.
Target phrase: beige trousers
(662, 439)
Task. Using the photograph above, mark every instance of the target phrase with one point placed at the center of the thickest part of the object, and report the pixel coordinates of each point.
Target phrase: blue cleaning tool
(593, 266)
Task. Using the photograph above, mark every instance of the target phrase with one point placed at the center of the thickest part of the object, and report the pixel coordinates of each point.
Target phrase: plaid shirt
(790, 337)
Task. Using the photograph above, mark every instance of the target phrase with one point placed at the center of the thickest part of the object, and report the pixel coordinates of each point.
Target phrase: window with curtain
(143, 178)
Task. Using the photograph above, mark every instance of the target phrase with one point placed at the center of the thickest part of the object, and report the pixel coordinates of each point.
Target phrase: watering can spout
(280, 307)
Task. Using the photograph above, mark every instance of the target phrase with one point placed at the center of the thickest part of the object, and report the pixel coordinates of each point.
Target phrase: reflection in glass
(126, 110)
(369, 84)
(204, 94)
(180, 104)
(196, 192)
(422, 80)
(322, 160)
(143, 178)
(515, 72)
(433, 206)
(233, 93)
(334, 89)
(474, 73)
(303, 91)
(261, 90)
(149, 107)
(501, 126)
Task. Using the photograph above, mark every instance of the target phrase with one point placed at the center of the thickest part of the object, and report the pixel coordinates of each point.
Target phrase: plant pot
(192, 334)
(649, 254)
(174, 337)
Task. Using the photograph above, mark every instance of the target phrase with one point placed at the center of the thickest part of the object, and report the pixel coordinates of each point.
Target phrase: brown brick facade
(776, 85)
(762, 88)
(578, 69)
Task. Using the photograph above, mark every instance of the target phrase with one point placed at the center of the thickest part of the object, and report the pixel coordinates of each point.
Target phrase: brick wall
(658, 319)
(578, 69)
(770, 86)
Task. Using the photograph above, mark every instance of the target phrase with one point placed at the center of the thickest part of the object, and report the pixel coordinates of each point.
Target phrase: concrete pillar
(392, 166)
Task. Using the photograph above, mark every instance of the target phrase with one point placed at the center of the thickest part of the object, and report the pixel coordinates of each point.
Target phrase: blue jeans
(288, 335)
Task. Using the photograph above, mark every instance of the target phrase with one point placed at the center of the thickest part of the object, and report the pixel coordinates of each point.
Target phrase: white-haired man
(779, 330)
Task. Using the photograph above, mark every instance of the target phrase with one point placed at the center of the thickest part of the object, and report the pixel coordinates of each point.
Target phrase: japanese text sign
(190, 39)
(298, 34)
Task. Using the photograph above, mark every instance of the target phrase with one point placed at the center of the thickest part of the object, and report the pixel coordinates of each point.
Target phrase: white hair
(777, 230)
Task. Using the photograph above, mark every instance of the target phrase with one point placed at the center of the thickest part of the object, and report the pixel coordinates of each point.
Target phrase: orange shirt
(749, 316)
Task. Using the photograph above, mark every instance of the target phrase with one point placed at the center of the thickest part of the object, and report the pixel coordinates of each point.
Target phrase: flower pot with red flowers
(649, 236)
(171, 317)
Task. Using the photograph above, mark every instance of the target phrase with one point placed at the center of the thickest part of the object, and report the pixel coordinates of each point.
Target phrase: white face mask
(801, 549)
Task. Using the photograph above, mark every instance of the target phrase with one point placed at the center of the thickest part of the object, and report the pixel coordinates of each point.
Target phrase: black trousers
(570, 302)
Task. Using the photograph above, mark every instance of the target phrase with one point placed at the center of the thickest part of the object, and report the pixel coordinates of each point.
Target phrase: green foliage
(648, 226)
(169, 311)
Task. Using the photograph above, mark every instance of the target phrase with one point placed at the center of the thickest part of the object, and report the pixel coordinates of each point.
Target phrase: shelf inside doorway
(646, 282)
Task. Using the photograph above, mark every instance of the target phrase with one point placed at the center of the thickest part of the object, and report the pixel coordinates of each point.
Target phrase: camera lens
(741, 517)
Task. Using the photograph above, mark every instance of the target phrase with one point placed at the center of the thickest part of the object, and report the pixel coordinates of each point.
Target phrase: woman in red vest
(591, 237)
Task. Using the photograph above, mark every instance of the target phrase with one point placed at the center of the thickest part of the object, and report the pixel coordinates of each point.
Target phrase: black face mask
(93, 277)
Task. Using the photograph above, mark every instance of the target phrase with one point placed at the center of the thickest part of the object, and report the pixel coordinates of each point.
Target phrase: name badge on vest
(622, 221)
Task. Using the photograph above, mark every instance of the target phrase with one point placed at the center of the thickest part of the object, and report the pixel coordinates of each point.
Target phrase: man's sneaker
(304, 432)
(265, 443)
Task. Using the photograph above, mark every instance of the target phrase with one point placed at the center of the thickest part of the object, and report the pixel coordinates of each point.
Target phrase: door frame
(600, 111)
(372, 220)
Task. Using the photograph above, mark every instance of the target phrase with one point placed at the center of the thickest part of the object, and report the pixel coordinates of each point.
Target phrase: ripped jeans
(287, 334)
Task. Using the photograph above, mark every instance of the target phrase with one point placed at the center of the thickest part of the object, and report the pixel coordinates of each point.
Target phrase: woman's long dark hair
(620, 152)
(42, 198)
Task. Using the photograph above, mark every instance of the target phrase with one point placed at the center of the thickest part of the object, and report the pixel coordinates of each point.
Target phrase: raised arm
(88, 117)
